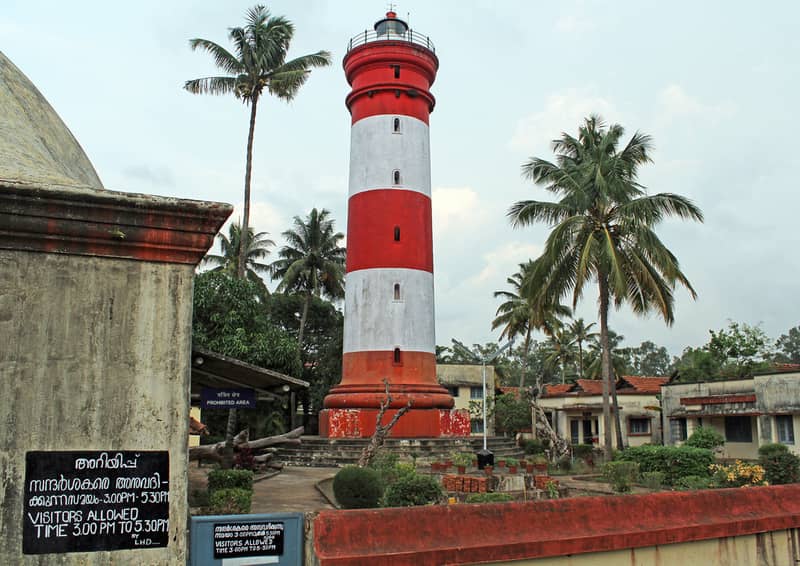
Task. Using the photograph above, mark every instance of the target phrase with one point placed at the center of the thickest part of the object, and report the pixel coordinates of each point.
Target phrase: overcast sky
(714, 83)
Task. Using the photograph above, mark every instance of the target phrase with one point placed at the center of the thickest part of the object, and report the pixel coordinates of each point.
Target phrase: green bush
(705, 437)
(230, 479)
(621, 475)
(673, 461)
(230, 501)
(489, 498)
(384, 464)
(463, 459)
(533, 446)
(693, 482)
(583, 451)
(357, 488)
(416, 489)
(780, 465)
(511, 461)
(653, 480)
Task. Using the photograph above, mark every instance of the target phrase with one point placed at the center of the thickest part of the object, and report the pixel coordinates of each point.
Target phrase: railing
(410, 36)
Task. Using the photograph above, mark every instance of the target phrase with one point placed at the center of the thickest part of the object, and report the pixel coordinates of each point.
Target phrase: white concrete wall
(374, 321)
(375, 152)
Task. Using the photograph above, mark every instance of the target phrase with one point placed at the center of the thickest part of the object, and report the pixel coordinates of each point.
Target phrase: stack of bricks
(540, 482)
(467, 484)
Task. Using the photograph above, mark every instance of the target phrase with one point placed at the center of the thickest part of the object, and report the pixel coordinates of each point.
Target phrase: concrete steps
(317, 451)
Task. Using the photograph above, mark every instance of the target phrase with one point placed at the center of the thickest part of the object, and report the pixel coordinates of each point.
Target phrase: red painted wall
(468, 534)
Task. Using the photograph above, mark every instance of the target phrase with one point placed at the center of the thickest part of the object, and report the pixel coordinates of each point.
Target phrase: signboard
(238, 540)
(232, 540)
(227, 398)
(86, 501)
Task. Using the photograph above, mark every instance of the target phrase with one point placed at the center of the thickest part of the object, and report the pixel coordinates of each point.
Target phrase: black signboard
(211, 398)
(233, 540)
(90, 501)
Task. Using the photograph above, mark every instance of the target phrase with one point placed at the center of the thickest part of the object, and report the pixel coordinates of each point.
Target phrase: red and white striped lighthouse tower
(389, 310)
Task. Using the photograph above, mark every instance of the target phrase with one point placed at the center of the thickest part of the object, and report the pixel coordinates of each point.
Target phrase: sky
(716, 84)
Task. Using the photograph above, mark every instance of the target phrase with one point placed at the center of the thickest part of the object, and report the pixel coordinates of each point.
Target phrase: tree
(788, 346)
(256, 247)
(741, 348)
(560, 351)
(648, 359)
(521, 313)
(603, 230)
(312, 262)
(259, 63)
(581, 334)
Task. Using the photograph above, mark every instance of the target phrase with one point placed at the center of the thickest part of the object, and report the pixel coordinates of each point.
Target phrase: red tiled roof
(641, 384)
(591, 386)
(787, 367)
(553, 390)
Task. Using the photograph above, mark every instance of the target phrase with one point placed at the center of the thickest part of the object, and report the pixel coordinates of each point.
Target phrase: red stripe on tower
(389, 307)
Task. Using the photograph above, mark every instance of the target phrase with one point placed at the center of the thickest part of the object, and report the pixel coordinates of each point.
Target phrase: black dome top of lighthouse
(391, 25)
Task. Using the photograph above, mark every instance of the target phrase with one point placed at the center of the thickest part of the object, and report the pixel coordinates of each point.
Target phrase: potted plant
(461, 462)
(512, 464)
(488, 470)
(540, 463)
(501, 462)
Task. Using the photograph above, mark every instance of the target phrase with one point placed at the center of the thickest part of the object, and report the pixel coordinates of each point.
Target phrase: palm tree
(603, 229)
(521, 313)
(259, 63)
(311, 262)
(560, 351)
(256, 248)
(581, 333)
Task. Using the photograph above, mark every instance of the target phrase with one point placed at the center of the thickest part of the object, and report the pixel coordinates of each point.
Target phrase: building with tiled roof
(576, 409)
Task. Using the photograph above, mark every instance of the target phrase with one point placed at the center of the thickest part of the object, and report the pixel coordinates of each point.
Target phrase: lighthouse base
(416, 423)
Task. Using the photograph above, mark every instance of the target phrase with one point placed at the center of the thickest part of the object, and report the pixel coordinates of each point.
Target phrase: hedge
(674, 462)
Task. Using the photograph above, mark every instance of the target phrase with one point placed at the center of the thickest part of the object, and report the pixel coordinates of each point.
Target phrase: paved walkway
(291, 491)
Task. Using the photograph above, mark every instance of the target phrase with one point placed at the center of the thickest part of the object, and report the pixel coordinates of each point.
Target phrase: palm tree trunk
(248, 169)
(303, 319)
(525, 357)
(580, 358)
(605, 368)
(617, 422)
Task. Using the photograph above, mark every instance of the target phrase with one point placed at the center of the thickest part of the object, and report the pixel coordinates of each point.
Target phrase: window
(396, 176)
(397, 233)
(785, 426)
(397, 358)
(396, 125)
(397, 291)
(575, 432)
(396, 71)
(738, 429)
(452, 391)
(476, 392)
(476, 425)
(678, 429)
(639, 425)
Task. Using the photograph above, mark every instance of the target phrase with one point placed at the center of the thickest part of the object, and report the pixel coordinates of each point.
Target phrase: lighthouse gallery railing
(410, 36)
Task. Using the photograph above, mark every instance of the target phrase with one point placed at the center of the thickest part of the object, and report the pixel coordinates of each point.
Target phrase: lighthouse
(389, 306)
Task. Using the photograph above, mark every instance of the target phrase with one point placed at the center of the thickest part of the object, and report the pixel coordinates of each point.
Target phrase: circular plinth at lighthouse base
(416, 423)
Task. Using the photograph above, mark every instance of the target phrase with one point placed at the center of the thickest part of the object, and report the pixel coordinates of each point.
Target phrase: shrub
(244, 459)
(738, 474)
(693, 482)
(583, 451)
(230, 501)
(780, 465)
(673, 461)
(384, 464)
(416, 489)
(705, 437)
(489, 498)
(511, 461)
(621, 475)
(533, 446)
(357, 488)
(653, 480)
(230, 479)
(462, 459)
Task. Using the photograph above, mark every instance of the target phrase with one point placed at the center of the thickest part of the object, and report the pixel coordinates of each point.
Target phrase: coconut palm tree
(521, 313)
(259, 63)
(560, 348)
(603, 229)
(311, 262)
(581, 334)
(256, 248)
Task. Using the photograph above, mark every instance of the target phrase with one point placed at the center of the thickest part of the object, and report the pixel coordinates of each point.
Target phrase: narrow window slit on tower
(396, 176)
(397, 233)
(397, 291)
(396, 71)
(396, 125)
(397, 355)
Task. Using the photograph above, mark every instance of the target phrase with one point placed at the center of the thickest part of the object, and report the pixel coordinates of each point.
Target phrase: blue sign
(237, 540)
(227, 398)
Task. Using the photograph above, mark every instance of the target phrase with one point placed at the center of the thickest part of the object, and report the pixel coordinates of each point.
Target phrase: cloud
(454, 209)
(674, 102)
(158, 176)
(562, 110)
(503, 261)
